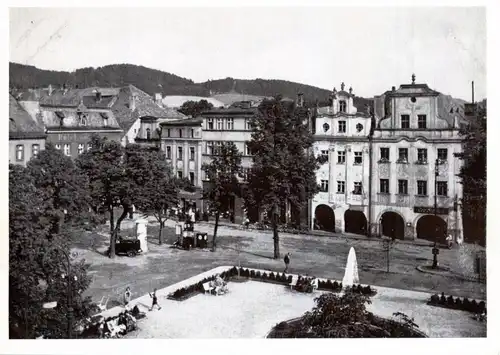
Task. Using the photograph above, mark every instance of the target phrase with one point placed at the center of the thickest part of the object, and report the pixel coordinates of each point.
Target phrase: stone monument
(351, 276)
(141, 232)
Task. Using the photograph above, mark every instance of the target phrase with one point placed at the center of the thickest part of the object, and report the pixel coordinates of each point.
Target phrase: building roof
(145, 106)
(413, 90)
(87, 120)
(183, 122)
(21, 124)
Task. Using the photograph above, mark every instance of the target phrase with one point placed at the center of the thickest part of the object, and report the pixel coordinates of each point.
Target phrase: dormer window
(342, 106)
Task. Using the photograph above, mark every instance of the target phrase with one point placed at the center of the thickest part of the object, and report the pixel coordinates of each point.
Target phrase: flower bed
(463, 304)
(184, 293)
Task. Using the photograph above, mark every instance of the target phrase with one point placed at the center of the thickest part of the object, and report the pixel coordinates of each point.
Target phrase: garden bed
(463, 304)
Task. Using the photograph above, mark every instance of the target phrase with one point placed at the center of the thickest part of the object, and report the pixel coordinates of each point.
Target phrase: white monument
(351, 276)
(141, 232)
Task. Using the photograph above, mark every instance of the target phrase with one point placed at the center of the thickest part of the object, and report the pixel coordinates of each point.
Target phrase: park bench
(315, 284)
(294, 282)
(207, 287)
(102, 305)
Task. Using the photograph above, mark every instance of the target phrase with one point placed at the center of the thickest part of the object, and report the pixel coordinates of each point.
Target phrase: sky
(370, 49)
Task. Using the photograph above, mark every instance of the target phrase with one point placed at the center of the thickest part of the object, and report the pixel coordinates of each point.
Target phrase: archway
(355, 222)
(392, 225)
(432, 228)
(324, 218)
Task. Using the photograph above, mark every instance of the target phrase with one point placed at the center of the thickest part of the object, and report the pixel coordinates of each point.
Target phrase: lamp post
(435, 249)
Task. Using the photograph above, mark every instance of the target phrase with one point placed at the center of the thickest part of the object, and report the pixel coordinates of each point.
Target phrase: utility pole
(435, 249)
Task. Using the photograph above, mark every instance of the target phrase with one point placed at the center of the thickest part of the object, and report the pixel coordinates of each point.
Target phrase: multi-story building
(341, 133)
(26, 136)
(414, 176)
(181, 141)
(229, 125)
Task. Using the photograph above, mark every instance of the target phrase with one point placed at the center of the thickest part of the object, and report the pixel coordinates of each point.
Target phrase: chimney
(300, 99)
(132, 102)
(393, 88)
(158, 98)
(50, 90)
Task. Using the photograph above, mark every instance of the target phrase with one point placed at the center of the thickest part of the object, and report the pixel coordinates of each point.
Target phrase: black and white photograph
(247, 172)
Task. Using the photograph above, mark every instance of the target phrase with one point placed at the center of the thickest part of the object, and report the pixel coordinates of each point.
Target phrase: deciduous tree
(195, 108)
(283, 168)
(223, 172)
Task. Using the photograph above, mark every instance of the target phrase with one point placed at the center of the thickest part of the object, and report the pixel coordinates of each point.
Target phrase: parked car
(127, 247)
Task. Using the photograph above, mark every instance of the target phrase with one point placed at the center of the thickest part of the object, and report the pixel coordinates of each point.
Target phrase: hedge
(463, 304)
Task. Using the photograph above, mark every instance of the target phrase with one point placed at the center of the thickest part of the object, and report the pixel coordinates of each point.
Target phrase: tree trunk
(160, 233)
(276, 237)
(217, 214)
(115, 230)
(111, 232)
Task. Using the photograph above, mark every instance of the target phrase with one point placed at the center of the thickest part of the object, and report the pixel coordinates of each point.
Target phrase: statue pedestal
(141, 232)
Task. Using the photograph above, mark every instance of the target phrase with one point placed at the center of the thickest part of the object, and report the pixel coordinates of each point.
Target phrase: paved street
(313, 255)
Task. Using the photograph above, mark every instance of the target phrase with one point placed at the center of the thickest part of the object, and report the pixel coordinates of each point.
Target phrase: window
(324, 186)
(384, 154)
(341, 157)
(442, 154)
(89, 147)
(20, 152)
(67, 150)
(248, 124)
(230, 124)
(384, 186)
(422, 187)
(191, 153)
(192, 133)
(342, 106)
(403, 155)
(422, 156)
(180, 132)
(358, 188)
(342, 127)
(168, 132)
(210, 148)
(358, 158)
(403, 187)
(80, 148)
(58, 146)
(35, 149)
(442, 188)
(405, 121)
(179, 153)
(324, 153)
(220, 124)
(168, 153)
(422, 121)
(341, 187)
(210, 123)
(179, 174)
(191, 177)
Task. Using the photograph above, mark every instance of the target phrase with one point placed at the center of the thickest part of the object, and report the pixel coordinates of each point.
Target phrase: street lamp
(435, 249)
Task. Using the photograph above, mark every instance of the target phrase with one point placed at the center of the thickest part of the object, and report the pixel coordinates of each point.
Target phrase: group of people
(306, 284)
(219, 286)
(119, 326)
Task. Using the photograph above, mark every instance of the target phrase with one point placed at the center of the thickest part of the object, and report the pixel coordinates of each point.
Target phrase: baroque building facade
(341, 133)
(416, 188)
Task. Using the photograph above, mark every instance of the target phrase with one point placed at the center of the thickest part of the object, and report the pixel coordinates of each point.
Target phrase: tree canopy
(284, 170)
(195, 108)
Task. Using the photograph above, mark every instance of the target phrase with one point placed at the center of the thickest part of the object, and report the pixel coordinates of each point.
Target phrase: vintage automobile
(127, 247)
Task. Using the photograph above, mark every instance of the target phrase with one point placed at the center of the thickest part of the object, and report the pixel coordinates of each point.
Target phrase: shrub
(434, 299)
(458, 303)
(289, 279)
(367, 290)
(473, 306)
(233, 271)
(335, 285)
(281, 326)
(252, 273)
(258, 275)
(442, 299)
(466, 304)
(329, 285)
(450, 301)
(481, 307)
(272, 276)
(321, 284)
(264, 276)
(245, 273)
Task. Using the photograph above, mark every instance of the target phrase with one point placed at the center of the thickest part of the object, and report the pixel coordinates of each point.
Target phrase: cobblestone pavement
(322, 256)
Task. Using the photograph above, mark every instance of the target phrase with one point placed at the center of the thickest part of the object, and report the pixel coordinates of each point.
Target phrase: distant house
(26, 136)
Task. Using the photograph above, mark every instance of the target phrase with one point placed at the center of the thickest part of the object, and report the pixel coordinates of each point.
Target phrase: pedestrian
(287, 261)
(155, 300)
(128, 295)
(449, 240)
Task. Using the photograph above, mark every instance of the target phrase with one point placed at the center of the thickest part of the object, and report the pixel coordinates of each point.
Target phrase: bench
(294, 282)
(207, 287)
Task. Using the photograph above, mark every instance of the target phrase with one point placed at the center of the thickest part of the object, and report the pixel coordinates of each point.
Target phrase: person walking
(128, 295)
(449, 241)
(155, 300)
(287, 261)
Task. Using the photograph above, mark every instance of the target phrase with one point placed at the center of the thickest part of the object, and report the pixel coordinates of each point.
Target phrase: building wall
(27, 148)
(78, 141)
(129, 137)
